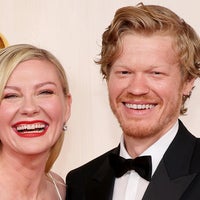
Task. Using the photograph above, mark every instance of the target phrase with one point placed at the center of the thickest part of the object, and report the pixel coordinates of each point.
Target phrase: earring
(64, 127)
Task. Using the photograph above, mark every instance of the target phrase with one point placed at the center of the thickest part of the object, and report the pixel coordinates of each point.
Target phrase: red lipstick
(30, 129)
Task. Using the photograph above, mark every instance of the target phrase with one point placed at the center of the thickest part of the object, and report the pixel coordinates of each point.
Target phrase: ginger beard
(161, 120)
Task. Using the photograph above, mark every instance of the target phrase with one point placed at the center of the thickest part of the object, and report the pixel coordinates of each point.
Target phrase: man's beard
(141, 129)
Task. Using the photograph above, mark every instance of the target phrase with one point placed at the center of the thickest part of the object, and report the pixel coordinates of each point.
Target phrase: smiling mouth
(27, 128)
(33, 129)
(139, 106)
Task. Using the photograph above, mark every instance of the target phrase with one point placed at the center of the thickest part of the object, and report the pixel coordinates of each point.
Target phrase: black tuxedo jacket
(177, 176)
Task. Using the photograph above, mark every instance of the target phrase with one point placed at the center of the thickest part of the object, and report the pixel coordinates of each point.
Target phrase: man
(150, 59)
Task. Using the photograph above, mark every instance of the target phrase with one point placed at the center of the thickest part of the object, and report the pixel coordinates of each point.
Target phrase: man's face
(146, 87)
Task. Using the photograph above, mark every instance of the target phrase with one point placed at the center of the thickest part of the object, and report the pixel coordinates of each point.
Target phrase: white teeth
(139, 106)
(30, 127)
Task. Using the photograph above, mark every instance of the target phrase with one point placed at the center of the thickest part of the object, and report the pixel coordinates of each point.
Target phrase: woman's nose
(29, 106)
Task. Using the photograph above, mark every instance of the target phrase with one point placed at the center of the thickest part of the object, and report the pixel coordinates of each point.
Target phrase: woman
(34, 108)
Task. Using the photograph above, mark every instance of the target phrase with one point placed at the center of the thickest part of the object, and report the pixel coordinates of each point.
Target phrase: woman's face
(33, 109)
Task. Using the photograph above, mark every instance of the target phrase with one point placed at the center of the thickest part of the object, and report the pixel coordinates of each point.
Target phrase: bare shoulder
(60, 183)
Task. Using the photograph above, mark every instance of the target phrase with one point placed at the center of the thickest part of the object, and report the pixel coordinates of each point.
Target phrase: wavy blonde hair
(3, 41)
(10, 58)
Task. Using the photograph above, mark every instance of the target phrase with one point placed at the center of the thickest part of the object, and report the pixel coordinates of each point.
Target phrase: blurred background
(71, 30)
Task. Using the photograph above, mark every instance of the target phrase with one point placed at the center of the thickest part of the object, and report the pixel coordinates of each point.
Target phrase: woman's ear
(68, 102)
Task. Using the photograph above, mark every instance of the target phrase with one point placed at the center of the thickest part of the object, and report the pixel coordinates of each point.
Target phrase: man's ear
(188, 86)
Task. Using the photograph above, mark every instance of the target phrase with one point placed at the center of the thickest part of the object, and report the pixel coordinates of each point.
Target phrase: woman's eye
(46, 92)
(10, 96)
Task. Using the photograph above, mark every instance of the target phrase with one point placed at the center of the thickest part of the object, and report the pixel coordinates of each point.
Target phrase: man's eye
(125, 72)
(156, 73)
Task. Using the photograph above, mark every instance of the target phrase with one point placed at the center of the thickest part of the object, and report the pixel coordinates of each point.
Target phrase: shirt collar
(157, 149)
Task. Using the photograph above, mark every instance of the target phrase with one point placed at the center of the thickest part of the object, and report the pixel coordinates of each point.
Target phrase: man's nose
(138, 85)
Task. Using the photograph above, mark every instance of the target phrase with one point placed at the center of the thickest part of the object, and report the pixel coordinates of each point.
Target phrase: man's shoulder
(92, 165)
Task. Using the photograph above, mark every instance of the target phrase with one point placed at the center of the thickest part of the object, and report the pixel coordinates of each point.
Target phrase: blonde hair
(3, 41)
(11, 57)
(147, 20)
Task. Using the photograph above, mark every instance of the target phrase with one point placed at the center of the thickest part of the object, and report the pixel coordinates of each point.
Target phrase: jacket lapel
(100, 186)
(162, 187)
(174, 173)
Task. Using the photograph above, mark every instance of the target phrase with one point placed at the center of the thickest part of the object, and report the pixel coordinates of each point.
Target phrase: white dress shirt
(131, 186)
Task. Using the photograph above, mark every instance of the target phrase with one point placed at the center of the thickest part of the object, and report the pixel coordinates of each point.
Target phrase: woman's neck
(23, 175)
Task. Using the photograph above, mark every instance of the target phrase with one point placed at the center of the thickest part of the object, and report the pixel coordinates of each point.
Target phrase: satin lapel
(100, 187)
(163, 188)
(173, 174)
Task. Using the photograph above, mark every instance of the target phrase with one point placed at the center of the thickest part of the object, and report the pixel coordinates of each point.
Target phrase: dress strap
(56, 187)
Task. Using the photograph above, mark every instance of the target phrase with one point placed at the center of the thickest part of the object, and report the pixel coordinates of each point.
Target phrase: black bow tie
(142, 165)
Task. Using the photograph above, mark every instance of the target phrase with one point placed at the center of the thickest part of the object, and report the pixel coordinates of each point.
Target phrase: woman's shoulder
(59, 183)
